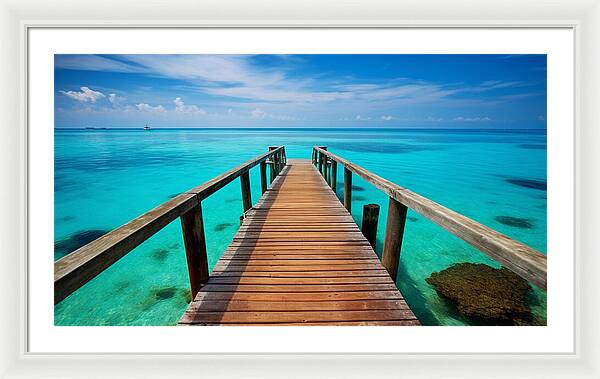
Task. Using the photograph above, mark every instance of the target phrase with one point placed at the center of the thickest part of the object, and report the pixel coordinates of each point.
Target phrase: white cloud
(86, 95)
(149, 108)
(472, 119)
(182, 108)
(387, 118)
(362, 118)
(115, 100)
(433, 119)
(257, 113)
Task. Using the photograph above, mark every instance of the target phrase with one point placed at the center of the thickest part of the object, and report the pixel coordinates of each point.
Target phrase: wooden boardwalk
(299, 259)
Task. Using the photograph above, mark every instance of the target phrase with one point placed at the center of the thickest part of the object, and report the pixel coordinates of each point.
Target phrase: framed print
(271, 192)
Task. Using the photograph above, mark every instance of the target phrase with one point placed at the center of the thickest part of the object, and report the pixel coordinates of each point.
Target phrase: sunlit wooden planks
(299, 259)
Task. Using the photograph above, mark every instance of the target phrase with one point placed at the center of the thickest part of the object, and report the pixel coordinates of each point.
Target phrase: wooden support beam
(321, 162)
(273, 163)
(275, 160)
(246, 194)
(334, 176)
(195, 248)
(369, 223)
(279, 162)
(348, 189)
(322, 158)
(394, 232)
(271, 171)
(263, 176)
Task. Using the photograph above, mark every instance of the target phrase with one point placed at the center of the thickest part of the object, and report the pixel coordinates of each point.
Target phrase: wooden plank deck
(299, 259)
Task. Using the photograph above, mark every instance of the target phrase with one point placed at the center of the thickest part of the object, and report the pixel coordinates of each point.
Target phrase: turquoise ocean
(105, 178)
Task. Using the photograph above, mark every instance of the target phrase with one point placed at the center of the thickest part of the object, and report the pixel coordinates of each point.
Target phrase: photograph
(300, 189)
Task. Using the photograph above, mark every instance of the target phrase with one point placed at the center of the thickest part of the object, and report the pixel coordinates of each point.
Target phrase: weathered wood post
(334, 176)
(322, 160)
(369, 223)
(274, 171)
(246, 195)
(348, 189)
(280, 160)
(195, 248)
(394, 231)
(271, 163)
(263, 176)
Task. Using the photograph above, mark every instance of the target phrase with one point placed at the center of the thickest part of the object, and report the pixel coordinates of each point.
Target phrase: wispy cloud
(115, 99)
(151, 109)
(472, 119)
(258, 113)
(94, 63)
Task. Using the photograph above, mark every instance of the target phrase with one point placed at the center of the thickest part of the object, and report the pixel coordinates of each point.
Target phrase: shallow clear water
(104, 178)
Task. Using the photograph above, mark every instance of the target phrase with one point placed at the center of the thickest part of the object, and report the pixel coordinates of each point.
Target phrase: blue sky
(385, 91)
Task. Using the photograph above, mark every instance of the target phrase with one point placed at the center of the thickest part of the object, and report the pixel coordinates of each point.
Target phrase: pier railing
(79, 267)
(528, 263)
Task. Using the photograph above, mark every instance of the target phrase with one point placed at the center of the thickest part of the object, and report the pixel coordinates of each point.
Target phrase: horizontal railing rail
(523, 260)
(79, 267)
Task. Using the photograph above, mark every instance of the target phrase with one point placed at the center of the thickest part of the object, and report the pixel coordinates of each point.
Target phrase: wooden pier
(298, 258)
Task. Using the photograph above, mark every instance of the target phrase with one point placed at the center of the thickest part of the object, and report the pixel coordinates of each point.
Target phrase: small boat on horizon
(146, 127)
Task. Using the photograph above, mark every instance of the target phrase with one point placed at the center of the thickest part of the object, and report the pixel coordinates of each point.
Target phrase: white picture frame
(19, 17)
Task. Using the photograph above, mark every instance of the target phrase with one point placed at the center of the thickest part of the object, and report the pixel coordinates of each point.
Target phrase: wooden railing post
(394, 231)
(348, 189)
(263, 176)
(334, 176)
(320, 155)
(272, 164)
(369, 223)
(322, 160)
(279, 162)
(246, 195)
(195, 248)
(275, 162)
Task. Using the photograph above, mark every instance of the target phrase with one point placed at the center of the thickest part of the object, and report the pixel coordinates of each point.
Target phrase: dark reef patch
(159, 255)
(121, 285)
(164, 293)
(359, 198)
(65, 218)
(485, 295)
(222, 226)
(186, 294)
(231, 200)
(355, 188)
(173, 195)
(76, 240)
(529, 183)
(517, 222)
(532, 146)
(413, 219)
